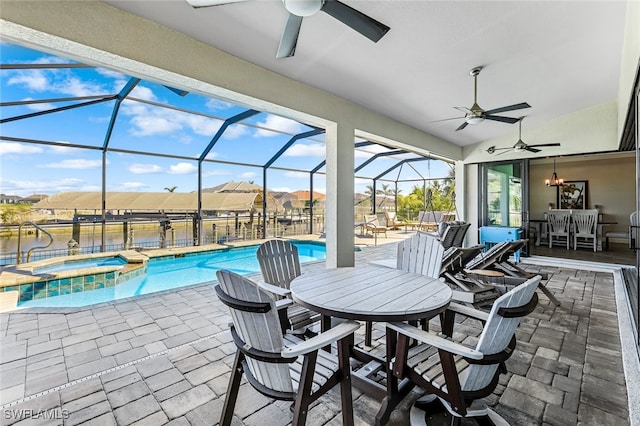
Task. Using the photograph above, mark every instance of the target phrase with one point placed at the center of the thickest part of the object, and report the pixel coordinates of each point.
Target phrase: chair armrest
(434, 340)
(274, 289)
(468, 311)
(321, 340)
(283, 303)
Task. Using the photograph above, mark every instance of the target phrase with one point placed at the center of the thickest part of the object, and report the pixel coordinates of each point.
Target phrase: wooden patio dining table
(373, 293)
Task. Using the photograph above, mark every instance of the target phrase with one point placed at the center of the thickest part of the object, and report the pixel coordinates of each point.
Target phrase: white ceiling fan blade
(289, 38)
(207, 3)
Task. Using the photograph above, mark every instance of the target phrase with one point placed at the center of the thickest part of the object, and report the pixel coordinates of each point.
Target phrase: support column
(340, 196)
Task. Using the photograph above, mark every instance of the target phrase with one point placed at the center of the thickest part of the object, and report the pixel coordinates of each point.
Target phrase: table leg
(396, 392)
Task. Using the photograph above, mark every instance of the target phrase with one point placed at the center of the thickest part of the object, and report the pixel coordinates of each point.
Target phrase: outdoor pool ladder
(19, 253)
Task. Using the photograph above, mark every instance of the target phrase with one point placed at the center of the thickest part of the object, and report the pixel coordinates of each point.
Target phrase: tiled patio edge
(630, 355)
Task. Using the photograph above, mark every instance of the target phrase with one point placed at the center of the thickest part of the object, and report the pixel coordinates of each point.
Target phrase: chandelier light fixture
(555, 180)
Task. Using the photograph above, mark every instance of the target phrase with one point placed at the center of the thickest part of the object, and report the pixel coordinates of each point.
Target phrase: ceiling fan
(476, 114)
(298, 9)
(520, 145)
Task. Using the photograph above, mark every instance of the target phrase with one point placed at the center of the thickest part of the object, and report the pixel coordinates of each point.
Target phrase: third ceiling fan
(520, 145)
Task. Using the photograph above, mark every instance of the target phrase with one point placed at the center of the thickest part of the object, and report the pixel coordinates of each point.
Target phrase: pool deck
(165, 359)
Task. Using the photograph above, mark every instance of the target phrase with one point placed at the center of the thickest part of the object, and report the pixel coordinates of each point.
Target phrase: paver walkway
(165, 359)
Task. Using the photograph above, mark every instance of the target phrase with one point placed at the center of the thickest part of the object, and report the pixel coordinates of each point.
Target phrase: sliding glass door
(504, 200)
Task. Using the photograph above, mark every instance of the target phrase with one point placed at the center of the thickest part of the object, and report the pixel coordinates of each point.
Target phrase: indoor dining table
(373, 293)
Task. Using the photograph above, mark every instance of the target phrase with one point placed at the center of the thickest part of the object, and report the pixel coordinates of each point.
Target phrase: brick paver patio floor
(165, 359)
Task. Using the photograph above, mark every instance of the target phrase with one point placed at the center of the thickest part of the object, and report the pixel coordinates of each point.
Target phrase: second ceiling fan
(476, 114)
(298, 9)
(520, 145)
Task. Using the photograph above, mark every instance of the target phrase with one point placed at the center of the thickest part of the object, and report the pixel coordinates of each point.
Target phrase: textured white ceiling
(560, 57)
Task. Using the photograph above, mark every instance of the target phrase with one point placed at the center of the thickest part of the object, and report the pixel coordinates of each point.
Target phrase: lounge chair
(497, 259)
(392, 220)
(452, 233)
(467, 287)
(280, 264)
(371, 224)
(279, 366)
(456, 375)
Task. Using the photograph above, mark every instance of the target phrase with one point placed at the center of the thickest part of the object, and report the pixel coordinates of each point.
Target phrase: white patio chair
(279, 366)
(585, 225)
(457, 375)
(558, 223)
(280, 264)
(421, 253)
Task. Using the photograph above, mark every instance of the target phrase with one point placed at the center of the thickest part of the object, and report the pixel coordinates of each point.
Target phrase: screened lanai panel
(41, 169)
(154, 118)
(258, 141)
(215, 174)
(304, 154)
(133, 172)
(85, 126)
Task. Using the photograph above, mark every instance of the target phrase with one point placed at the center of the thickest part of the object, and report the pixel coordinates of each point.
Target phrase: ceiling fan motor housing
(303, 7)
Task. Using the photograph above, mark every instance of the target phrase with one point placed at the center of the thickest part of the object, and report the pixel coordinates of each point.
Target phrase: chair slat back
(279, 262)
(459, 237)
(258, 330)
(585, 221)
(422, 254)
(371, 219)
(497, 333)
(558, 221)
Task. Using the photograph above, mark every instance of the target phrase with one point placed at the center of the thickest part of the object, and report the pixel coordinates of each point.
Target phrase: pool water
(79, 264)
(172, 273)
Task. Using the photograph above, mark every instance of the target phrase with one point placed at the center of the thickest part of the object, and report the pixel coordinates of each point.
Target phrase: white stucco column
(339, 205)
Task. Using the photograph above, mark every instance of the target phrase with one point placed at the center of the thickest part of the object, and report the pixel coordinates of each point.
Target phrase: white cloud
(307, 150)
(111, 74)
(235, 131)
(18, 148)
(35, 80)
(28, 187)
(130, 186)
(57, 149)
(56, 81)
(216, 173)
(39, 106)
(150, 125)
(183, 169)
(144, 93)
(247, 175)
(141, 169)
(278, 123)
(74, 163)
(218, 105)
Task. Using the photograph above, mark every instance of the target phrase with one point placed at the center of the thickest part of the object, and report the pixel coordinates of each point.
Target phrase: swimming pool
(170, 273)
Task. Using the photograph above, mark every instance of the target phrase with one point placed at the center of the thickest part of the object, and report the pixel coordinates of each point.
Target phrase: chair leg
(232, 390)
(344, 349)
(303, 398)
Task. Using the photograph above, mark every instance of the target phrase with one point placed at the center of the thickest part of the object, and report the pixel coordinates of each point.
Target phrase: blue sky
(142, 125)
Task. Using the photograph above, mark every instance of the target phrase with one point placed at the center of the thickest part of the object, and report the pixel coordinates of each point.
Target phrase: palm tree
(171, 188)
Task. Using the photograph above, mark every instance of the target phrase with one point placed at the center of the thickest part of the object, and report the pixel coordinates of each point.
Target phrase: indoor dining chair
(585, 225)
(281, 366)
(559, 226)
